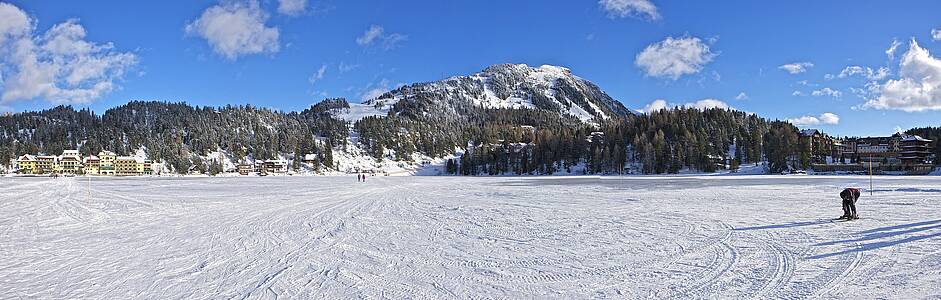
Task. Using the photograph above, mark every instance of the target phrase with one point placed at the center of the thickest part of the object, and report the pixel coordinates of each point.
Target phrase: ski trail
(462, 237)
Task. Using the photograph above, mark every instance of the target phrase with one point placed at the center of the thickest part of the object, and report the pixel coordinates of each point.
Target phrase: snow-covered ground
(457, 237)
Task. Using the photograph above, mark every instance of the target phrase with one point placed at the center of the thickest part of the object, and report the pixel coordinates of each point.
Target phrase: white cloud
(936, 34)
(890, 53)
(918, 87)
(375, 90)
(707, 104)
(741, 96)
(829, 118)
(656, 105)
(235, 29)
(292, 7)
(808, 83)
(824, 118)
(867, 72)
(376, 35)
(703, 104)
(805, 121)
(672, 58)
(317, 76)
(827, 92)
(344, 67)
(798, 93)
(371, 34)
(59, 65)
(14, 23)
(630, 8)
(796, 68)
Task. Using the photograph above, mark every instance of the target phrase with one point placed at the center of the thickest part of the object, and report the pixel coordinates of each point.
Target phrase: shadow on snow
(883, 237)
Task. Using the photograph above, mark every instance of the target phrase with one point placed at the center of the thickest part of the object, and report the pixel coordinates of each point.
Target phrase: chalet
(245, 169)
(275, 166)
(820, 145)
(27, 164)
(311, 159)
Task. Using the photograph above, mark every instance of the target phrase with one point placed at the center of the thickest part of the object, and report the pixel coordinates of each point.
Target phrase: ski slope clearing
(450, 237)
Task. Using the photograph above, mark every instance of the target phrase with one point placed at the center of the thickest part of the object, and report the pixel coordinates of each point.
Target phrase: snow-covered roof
(910, 138)
(27, 157)
(310, 157)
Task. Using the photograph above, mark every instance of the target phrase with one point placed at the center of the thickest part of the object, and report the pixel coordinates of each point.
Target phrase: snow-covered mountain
(549, 88)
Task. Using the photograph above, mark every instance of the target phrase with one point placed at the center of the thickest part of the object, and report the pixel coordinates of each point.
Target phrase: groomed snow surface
(456, 237)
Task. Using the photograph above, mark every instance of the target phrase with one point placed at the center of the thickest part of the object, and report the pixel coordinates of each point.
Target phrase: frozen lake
(454, 237)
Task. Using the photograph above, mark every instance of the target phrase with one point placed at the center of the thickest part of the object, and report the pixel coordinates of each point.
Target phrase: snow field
(458, 237)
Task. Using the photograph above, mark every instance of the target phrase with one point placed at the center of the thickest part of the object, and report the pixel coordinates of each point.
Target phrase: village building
(106, 163)
(127, 166)
(311, 159)
(275, 166)
(70, 162)
(27, 164)
(914, 149)
(245, 169)
(91, 165)
(46, 164)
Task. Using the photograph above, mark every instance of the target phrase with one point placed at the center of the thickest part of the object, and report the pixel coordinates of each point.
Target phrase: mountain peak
(515, 86)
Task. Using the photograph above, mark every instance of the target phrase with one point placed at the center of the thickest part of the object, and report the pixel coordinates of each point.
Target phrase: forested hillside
(507, 119)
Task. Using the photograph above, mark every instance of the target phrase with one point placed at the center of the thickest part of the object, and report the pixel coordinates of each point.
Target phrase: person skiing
(849, 196)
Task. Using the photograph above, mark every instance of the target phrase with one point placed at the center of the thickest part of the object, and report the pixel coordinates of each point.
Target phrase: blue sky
(763, 57)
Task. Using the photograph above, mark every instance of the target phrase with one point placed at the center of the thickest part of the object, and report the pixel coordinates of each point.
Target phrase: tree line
(485, 141)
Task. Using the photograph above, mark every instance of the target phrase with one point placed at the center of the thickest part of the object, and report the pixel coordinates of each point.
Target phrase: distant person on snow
(849, 196)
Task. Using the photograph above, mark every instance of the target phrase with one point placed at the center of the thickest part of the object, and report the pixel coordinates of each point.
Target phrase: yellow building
(127, 166)
(106, 161)
(27, 164)
(70, 162)
(46, 164)
(91, 165)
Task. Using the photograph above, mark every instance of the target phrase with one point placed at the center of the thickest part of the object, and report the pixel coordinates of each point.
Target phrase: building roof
(134, 158)
(911, 138)
(810, 132)
(27, 157)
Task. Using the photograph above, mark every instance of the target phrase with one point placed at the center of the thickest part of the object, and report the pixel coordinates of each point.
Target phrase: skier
(849, 196)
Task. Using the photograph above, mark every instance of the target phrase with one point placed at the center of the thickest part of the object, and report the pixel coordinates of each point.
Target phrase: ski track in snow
(693, 237)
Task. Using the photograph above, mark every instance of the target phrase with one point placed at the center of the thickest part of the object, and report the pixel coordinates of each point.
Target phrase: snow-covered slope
(767, 237)
(549, 88)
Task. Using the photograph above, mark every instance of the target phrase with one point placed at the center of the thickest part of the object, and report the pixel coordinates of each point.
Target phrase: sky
(846, 67)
